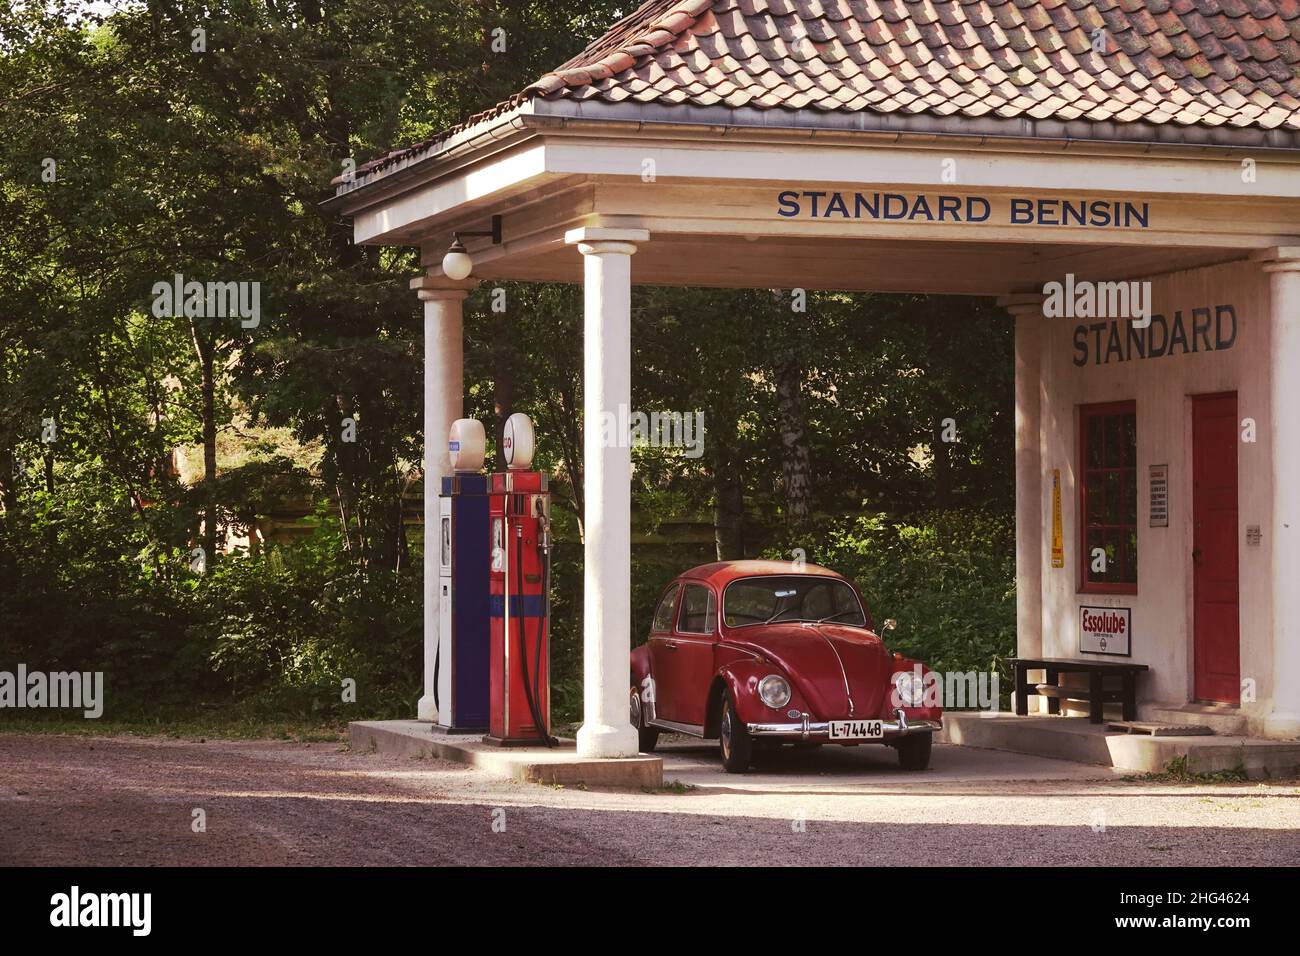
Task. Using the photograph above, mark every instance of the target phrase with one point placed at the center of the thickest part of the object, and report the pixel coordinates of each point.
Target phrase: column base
(1282, 725)
(603, 740)
(426, 709)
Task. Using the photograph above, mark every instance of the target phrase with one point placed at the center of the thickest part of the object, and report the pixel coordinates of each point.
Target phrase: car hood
(818, 657)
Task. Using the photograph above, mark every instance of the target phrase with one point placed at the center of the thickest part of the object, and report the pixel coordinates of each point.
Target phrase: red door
(1214, 548)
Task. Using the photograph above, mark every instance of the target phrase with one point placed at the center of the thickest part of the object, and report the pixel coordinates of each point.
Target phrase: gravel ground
(130, 801)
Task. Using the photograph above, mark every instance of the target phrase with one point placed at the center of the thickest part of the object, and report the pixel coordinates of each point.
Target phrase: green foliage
(213, 165)
(947, 577)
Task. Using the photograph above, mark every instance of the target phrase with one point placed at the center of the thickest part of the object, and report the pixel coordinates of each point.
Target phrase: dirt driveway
(132, 801)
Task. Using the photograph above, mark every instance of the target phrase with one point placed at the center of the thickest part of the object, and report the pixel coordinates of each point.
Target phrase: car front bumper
(808, 729)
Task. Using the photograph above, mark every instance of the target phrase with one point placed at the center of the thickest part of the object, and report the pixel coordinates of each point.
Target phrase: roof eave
(808, 123)
(473, 142)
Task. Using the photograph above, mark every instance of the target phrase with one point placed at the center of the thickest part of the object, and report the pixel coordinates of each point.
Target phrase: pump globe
(457, 264)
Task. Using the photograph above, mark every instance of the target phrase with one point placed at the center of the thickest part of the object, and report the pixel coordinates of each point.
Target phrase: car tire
(647, 737)
(914, 751)
(735, 745)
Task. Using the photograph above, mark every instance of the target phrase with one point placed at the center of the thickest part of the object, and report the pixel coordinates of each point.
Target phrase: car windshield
(795, 597)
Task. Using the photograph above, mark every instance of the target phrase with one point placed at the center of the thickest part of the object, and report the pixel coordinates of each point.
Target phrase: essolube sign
(1105, 630)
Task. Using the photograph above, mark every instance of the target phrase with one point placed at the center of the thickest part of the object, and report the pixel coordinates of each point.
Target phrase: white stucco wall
(1162, 609)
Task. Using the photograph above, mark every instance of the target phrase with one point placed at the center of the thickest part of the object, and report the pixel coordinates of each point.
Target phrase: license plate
(857, 729)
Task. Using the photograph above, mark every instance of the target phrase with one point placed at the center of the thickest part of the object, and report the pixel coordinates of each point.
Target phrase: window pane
(1128, 446)
(694, 618)
(663, 619)
(1096, 495)
(1095, 429)
(1114, 498)
(1114, 438)
(1130, 557)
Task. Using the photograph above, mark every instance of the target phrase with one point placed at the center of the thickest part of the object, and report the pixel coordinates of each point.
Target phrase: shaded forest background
(130, 155)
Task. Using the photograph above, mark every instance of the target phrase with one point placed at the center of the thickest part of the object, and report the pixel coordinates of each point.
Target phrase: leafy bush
(948, 578)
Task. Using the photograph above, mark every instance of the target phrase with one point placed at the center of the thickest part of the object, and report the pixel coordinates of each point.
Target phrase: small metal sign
(1058, 538)
(1106, 630)
(1159, 485)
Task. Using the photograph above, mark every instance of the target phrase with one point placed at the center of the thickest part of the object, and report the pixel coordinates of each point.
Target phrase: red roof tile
(1149, 42)
(1232, 62)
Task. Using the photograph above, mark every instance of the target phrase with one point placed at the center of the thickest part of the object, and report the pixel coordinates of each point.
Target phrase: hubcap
(636, 710)
(726, 732)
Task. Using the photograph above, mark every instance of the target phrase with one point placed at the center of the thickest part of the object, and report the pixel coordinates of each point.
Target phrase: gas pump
(461, 666)
(519, 506)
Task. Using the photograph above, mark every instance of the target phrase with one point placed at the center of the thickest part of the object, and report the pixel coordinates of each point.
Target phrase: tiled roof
(1206, 62)
(1191, 63)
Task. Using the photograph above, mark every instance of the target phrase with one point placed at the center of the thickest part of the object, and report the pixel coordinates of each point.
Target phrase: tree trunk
(728, 499)
(796, 459)
(942, 467)
(206, 352)
(8, 480)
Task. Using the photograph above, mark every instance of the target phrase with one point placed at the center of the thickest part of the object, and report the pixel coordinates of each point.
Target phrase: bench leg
(1095, 702)
(1053, 703)
(1022, 690)
(1130, 697)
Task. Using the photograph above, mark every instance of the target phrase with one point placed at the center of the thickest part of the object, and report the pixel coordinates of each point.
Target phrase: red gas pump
(519, 584)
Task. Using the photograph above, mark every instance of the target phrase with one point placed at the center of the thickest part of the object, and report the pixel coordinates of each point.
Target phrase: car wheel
(914, 751)
(734, 742)
(647, 737)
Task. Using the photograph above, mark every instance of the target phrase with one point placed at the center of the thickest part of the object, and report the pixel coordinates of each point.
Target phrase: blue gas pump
(461, 668)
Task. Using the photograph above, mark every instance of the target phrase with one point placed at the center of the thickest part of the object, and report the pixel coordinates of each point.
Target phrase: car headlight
(774, 691)
(909, 688)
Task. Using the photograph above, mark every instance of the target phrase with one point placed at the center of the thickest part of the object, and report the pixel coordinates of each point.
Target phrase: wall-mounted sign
(1106, 630)
(1058, 536)
(1159, 486)
(1120, 340)
(931, 207)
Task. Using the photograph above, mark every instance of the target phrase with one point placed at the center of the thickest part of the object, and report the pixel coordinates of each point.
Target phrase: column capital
(606, 240)
(436, 288)
(1025, 303)
(1278, 258)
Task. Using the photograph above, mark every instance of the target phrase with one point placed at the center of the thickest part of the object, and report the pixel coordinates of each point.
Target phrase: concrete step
(1223, 720)
(556, 765)
(1075, 738)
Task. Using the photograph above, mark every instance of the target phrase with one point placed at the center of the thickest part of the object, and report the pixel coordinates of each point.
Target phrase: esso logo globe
(517, 441)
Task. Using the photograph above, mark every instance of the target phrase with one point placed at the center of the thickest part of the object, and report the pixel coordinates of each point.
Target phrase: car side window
(698, 609)
(663, 619)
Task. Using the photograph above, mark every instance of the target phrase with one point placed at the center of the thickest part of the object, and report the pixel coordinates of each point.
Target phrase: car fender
(741, 679)
(640, 665)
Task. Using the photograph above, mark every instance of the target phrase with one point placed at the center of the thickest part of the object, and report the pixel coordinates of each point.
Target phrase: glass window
(663, 619)
(697, 610)
(1108, 496)
(791, 598)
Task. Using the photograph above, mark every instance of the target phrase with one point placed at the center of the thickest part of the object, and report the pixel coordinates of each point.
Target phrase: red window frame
(1087, 413)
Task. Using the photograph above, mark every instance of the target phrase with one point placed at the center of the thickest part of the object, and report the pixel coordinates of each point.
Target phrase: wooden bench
(1096, 693)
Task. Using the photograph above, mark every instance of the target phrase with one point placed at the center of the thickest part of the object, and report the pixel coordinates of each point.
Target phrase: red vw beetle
(760, 653)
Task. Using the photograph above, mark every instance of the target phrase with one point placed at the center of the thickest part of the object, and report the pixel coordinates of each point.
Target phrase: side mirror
(888, 625)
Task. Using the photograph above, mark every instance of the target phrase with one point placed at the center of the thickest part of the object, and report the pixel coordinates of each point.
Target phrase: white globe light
(457, 264)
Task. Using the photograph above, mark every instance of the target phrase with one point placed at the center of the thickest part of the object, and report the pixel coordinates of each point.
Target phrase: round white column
(1028, 313)
(607, 487)
(444, 402)
(1283, 267)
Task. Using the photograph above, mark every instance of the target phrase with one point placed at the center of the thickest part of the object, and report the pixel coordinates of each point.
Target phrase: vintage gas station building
(1039, 151)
